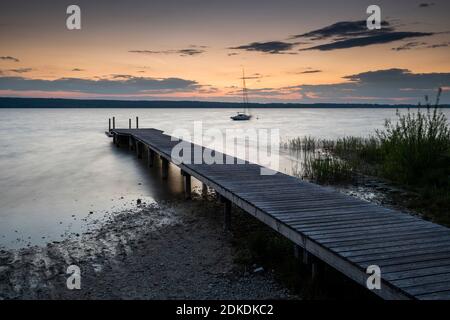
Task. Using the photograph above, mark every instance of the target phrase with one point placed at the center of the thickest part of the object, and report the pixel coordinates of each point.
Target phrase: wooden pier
(344, 232)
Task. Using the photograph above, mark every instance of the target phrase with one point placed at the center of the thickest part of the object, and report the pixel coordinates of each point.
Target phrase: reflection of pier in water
(346, 233)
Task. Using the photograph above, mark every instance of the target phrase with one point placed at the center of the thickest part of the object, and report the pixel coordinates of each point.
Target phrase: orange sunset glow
(292, 51)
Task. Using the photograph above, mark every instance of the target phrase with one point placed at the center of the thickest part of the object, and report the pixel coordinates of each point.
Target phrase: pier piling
(204, 190)
(164, 168)
(151, 157)
(226, 213)
(187, 185)
(130, 143)
(138, 150)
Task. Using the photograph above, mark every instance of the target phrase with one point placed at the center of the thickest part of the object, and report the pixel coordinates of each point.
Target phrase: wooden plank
(394, 255)
(441, 295)
(415, 247)
(373, 235)
(415, 266)
(421, 257)
(424, 285)
(423, 289)
(389, 243)
(385, 238)
(433, 270)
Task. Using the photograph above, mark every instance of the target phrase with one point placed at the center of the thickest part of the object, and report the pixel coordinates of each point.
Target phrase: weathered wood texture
(346, 233)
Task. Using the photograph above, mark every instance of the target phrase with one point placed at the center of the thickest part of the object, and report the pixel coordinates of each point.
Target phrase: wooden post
(187, 185)
(204, 190)
(109, 125)
(297, 250)
(218, 196)
(117, 138)
(151, 157)
(129, 123)
(164, 168)
(138, 150)
(314, 270)
(306, 257)
(130, 143)
(114, 122)
(226, 213)
(137, 122)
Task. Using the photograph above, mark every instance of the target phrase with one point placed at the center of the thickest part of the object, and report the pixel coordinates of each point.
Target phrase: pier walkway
(344, 232)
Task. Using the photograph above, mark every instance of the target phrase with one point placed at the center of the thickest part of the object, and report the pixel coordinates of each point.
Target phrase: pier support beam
(187, 185)
(218, 196)
(138, 150)
(226, 213)
(306, 257)
(164, 168)
(151, 157)
(297, 251)
(130, 143)
(204, 190)
(310, 261)
(314, 270)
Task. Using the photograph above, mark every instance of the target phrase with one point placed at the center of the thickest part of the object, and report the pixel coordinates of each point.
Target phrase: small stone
(260, 269)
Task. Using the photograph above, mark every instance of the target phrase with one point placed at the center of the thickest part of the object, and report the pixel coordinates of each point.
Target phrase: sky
(291, 50)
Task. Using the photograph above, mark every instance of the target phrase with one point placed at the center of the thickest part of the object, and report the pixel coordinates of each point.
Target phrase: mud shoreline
(165, 250)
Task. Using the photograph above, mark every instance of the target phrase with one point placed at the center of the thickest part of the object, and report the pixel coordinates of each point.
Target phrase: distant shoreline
(168, 104)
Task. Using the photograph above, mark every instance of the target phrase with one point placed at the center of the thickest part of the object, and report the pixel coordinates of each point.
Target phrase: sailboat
(245, 115)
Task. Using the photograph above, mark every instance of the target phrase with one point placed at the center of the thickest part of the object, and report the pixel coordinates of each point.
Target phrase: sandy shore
(164, 250)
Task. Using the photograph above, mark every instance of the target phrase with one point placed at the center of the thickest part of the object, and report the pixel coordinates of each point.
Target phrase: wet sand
(164, 250)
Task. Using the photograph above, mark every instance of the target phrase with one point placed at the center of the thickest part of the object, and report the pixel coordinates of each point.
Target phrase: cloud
(9, 58)
(340, 35)
(369, 40)
(351, 34)
(381, 86)
(426, 5)
(409, 46)
(439, 45)
(253, 76)
(388, 86)
(344, 29)
(120, 84)
(309, 71)
(421, 45)
(21, 70)
(193, 50)
(270, 47)
(77, 70)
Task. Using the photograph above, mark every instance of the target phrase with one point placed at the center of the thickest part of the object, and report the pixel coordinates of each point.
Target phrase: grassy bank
(413, 152)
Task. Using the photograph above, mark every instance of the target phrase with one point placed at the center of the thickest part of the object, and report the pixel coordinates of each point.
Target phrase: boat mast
(244, 92)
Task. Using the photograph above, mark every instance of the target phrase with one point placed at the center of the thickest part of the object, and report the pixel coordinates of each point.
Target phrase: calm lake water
(57, 165)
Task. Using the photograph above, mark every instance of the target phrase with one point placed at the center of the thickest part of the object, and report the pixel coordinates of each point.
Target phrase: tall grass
(413, 151)
(416, 148)
(325, 168)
